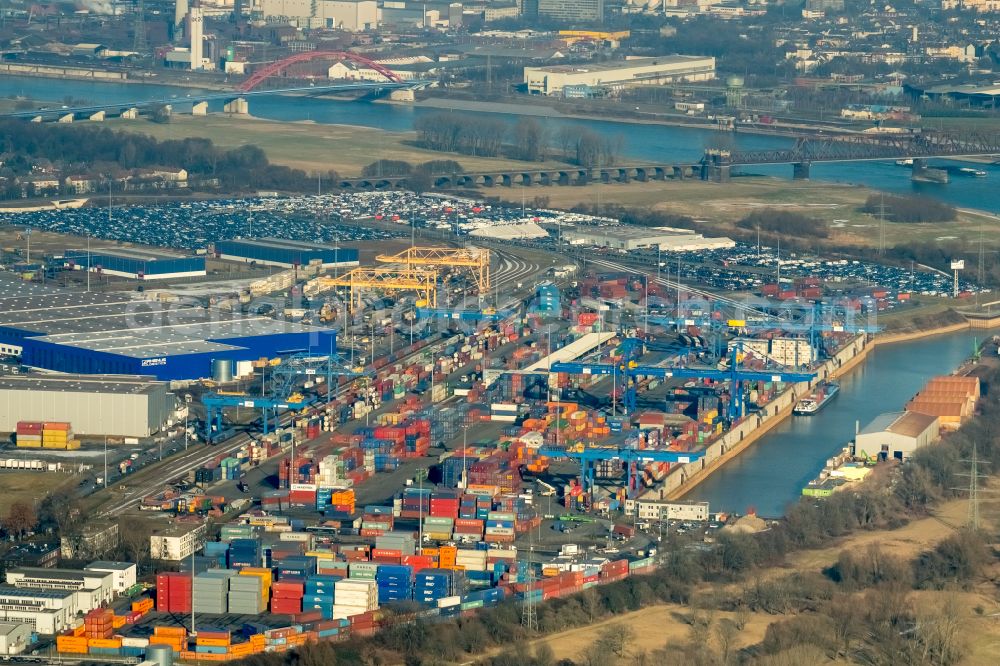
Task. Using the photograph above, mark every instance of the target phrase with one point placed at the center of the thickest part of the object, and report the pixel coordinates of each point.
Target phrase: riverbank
(683, 480)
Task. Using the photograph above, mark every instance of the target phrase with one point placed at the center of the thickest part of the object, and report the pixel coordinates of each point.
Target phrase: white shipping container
(447, 602)
(301, 537)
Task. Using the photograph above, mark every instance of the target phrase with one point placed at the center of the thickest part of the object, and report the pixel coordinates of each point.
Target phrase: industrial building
(650, 509)
(667, 239)
(93, 588)
(571, 11)
(94, 405)
(45, 611)
(551, 80)
(111, 333)
(285, 253)
(92, 540)
(177, 542)
(134, 264)
(896, 435)
(347, 15)
(123, 574)
(952, 399)
(14, 637)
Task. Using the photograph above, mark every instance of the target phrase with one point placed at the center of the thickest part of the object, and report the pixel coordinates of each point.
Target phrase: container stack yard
(464, 427)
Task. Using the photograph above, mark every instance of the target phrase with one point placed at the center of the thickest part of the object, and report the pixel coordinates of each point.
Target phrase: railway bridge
(716, 164)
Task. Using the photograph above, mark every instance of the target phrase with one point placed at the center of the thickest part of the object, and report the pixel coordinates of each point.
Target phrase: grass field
(836, 206)
(310, 146)
(30, 487)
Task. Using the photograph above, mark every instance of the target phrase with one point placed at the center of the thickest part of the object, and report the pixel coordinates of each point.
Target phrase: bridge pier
(199, 109)
(130, 114)
(98, 116)
(238, 106)
(800, 171)
(68, 118)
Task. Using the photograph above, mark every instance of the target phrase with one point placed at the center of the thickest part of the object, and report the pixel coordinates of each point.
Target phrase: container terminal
(318, 432)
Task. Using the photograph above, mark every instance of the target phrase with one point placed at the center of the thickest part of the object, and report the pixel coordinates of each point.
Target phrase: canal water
(641, 142)
(771, 473)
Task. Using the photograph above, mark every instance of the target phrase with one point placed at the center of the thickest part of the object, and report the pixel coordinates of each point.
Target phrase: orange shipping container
(104, 642)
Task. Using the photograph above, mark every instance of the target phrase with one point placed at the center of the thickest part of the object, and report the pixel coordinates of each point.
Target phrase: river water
(771, 473)
(641, 142)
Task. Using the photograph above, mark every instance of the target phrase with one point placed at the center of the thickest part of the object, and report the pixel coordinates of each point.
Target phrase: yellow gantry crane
(474, 258)
(382, 278)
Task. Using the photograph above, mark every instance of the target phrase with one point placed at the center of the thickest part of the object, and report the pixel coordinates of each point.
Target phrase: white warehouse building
(349, 15)
(553, 79)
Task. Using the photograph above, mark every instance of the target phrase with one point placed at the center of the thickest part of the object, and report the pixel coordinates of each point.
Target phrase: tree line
(909, 208)
(527, 139)
(99, 151)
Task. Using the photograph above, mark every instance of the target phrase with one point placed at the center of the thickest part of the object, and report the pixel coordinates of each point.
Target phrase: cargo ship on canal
(817, 400)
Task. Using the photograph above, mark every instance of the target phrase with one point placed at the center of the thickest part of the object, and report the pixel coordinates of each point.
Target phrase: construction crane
(474, 258)
(633, 457)
(629, 371)
(385, 278)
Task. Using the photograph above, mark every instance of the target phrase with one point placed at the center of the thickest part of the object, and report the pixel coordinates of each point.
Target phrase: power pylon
(529, 615)
(973, 488)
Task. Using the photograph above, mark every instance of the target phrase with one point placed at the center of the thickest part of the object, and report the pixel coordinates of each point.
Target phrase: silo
(222, 370)
(161, 655)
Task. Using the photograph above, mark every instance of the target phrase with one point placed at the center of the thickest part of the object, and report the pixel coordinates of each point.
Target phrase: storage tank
(161, 655)
(222, 370)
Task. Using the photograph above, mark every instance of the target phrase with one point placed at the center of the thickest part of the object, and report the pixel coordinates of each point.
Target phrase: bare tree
(725, 633)
(529, 139)
(135, 535)
(20, 519)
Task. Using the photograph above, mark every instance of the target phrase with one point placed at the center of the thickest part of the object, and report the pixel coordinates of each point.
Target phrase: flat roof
(146, 254)
(110, 566)
(130, 325)
(621, 64)
(284, 243)
(64, 574)
(34, 593)
(121, 384)
(572, 351)
(628, 233)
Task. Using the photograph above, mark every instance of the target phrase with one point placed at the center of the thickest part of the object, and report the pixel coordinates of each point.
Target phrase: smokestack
(180, 12)
(196, 33)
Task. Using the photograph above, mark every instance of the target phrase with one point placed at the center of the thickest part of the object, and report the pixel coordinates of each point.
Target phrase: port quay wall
(682, 479)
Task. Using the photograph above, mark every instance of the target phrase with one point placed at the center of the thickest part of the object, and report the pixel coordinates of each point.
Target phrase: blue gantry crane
(286, 374)
(215, 404)
(628, 372)
(633, 457)
(282, 394)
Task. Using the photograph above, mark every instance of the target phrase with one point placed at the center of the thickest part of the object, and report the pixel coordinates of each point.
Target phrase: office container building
(285, 253)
